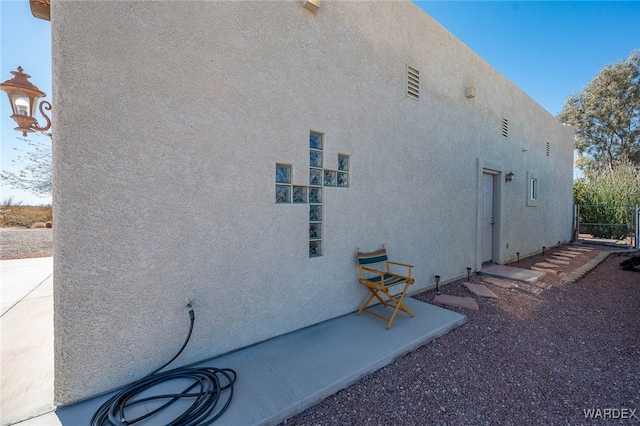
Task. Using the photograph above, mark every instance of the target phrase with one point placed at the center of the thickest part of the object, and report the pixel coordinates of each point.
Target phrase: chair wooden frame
(380, 281)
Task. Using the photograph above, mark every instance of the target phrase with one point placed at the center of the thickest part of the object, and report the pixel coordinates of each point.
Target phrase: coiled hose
(205, 391)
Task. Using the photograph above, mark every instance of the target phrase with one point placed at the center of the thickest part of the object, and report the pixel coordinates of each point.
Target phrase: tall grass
(607, 198)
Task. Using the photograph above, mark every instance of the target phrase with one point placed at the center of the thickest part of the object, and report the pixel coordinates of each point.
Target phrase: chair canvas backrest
(373, 257)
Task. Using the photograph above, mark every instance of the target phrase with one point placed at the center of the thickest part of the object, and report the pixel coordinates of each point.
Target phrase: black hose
(205, 391)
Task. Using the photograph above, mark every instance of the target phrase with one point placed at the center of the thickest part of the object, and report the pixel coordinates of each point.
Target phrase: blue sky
(549, 49)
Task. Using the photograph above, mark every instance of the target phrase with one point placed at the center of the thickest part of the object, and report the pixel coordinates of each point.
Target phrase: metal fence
(617, 224)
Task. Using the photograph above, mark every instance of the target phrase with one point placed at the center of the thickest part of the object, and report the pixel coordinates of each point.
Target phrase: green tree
(606, 116)
(35, 175)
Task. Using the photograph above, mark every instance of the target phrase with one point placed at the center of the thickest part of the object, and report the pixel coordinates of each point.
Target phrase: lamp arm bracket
(48, 108)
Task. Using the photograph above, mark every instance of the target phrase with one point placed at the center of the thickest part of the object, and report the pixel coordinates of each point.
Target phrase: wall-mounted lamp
(470, 92)
(23, 96)
(311, 5)
(509, 177)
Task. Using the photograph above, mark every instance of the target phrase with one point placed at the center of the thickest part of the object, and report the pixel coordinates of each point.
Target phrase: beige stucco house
(237, 153)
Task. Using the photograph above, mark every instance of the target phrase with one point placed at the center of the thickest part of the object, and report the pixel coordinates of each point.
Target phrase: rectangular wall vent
(505, 127)
(548, 149)
(413, 83)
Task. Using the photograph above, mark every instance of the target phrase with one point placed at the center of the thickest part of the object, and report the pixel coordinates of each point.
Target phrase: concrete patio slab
(277, 378)
(511, 273)
(461, 302)
(481, 290)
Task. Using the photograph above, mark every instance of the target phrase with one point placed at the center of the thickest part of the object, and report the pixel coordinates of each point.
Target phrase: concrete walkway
(26, 337)
(276, 379)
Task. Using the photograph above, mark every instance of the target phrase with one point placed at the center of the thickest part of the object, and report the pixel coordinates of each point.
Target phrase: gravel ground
(537, 355)
(16, 243)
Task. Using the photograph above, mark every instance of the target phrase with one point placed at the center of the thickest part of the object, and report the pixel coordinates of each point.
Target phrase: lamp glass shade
(21, 106)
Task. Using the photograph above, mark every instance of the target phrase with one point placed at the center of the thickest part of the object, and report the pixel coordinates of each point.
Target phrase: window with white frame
(533, 189)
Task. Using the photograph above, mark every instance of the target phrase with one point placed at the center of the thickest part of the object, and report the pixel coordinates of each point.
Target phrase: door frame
(485, 166)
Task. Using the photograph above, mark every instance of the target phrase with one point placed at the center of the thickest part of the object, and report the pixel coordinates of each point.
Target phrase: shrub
(607, 198)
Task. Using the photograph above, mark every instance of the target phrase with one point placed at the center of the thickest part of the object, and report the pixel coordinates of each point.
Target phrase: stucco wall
(170, 119)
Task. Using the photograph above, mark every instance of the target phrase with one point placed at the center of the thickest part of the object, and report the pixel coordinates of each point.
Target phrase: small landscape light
(543, 248)
(468, 274)
(518, 254)
(437, 282)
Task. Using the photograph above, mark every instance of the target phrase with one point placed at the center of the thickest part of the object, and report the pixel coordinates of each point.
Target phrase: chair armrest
(406, 265)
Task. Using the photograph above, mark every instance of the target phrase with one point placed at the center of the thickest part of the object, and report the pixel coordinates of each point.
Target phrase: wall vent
(505, 127)
(413, 83)
(548, 149)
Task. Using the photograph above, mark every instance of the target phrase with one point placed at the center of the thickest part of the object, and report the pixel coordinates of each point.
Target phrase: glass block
(315, 177)
(330, 178)
(315, 140)
(315, 213)
(315, 158)
(315, 231)
(315, 195)
(299, 194)
(315, 248)
(343, 179)
(343, 162)
(283, 173)
(283, 193)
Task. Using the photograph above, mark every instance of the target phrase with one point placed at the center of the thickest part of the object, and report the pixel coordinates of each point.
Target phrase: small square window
(330, 178)
(315, 231)
(343, 180)
(315, 248)
(299, 194)
(343, 162)
(283, 193)
(315, 213)
(283, 173)
(315, 140)
(315, 195)
(315, 158)
(315, 177)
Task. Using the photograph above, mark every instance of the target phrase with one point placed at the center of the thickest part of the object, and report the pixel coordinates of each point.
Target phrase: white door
(487, 217)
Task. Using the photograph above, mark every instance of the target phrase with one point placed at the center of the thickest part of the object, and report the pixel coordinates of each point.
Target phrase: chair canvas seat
(378, 281)
(389, 280)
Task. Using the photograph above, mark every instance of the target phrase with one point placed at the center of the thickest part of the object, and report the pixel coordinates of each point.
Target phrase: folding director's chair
(380, 280)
